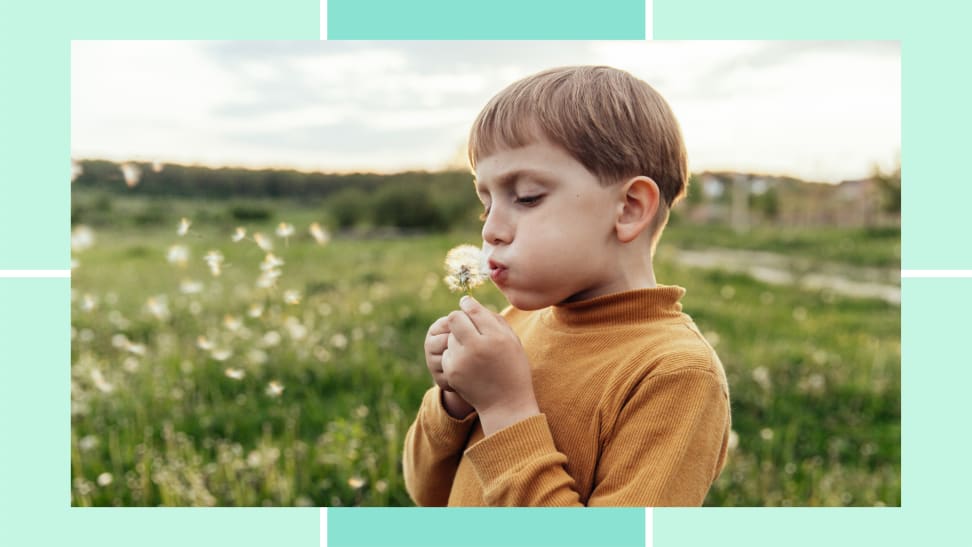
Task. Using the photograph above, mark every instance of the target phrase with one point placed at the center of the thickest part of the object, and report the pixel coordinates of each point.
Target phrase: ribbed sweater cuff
(440, 425)
(511, 448)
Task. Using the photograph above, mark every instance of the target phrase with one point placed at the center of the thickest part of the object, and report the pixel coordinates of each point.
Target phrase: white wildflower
(321, 236)
(285, 230)
(178, 254)
(291, 296)
(82, 237)
(214, 259)
(132, 174)
(234, 373)
(239, 234)
(263, 241)
(274, 389)
(184, 224)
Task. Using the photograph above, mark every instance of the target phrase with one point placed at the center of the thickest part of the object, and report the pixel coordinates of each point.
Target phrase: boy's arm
(666, 447)
(433, 446)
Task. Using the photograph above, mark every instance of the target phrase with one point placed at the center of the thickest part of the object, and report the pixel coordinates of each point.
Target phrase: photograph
(485, 273)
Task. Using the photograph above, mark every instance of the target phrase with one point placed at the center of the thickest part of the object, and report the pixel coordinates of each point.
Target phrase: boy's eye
(528, 200)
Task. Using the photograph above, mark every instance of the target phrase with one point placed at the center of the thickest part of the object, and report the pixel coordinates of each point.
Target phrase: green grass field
(160, 417)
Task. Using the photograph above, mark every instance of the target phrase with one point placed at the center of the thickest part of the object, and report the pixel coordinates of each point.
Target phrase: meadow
(190, 388)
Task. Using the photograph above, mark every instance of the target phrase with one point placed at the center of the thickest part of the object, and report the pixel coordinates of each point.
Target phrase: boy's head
(613, 164)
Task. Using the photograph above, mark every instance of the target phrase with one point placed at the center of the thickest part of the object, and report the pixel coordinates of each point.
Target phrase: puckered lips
(497, 271)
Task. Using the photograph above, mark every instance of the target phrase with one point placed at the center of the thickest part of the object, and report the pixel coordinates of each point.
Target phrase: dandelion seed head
(263, 241)
(188, 286)
(766, 434)
(178, 254)
(203, 343)
(271, 338)
(88, 442)
(275, 389)
(320, 235)
(104, 479)
(82, 238)
(132, 173)
(234, 373)
(761, 376)
(466, 268)
(291, 297)
(285, 230)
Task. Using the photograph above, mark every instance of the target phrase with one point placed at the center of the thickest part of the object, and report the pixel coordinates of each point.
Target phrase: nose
(496, 229)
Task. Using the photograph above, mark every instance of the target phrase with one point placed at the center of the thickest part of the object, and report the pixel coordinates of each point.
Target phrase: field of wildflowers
(273, 364)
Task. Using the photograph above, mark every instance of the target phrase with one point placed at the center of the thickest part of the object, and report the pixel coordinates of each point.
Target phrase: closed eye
(528, 200)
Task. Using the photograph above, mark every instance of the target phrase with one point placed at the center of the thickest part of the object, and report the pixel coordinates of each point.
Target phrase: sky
(821, 111)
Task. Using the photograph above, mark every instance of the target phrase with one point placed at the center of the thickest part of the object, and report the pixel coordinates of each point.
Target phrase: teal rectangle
(486, 20)
(35, 49)
(486, 527)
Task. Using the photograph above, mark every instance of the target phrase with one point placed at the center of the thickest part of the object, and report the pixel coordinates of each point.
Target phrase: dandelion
(158, 307)
(178, 254)
(76, 170)
(88, 443)
(234, 373)
(766, 433)
(381, 486)
(184, 224)
(339, 341)
(104, 479)
(263, 241)
(232, 323)
(88, 302)
(239, 234)
(291, 296)
(466, 268)
(356, 482)
(203, 343)
(761, 376)
(82, 237)
(285, 230)
(100, 382)
(320, 235)
(275, 389)
(214, 259)
(188, 286)
(132, 174)
(221, 354)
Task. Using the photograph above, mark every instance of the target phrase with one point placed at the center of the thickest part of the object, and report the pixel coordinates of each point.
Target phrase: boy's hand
(485, 363)
(435, 345)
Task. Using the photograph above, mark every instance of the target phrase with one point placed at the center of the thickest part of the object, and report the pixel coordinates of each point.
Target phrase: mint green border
(486, 20)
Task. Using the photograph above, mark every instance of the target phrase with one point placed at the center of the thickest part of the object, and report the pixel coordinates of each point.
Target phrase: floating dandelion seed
(291, 296)
(184, 224)
(76, 170)
(320, 235)
(214, 259)
(178, 254)
(466, 268)
(356, 482)
(239, 234)
(234, 373)
(132, 174)
(82, 237)
(275, 389)
(263, 241)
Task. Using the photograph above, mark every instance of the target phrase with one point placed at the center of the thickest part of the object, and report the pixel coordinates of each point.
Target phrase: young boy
(592, 388)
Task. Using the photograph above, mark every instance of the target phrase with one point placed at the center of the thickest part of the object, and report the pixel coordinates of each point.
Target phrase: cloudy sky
(824, 111)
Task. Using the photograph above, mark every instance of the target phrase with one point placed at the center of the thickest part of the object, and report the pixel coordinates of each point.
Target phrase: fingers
(440, 326)
(435, 344)
(478, 315)
(462, 328)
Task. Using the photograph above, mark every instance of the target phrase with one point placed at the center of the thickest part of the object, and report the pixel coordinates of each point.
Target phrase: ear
(639, 204)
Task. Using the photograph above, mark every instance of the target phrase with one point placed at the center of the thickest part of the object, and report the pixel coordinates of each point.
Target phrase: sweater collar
(635, 306)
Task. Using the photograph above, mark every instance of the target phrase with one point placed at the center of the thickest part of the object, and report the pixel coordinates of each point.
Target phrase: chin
(527, 301)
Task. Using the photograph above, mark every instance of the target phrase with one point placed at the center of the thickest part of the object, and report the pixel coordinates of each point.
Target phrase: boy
(592, 388)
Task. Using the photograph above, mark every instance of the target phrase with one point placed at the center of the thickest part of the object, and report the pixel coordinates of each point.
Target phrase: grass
(814, 377)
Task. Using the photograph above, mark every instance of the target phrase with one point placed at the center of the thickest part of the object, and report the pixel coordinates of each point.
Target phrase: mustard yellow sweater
(635, 412)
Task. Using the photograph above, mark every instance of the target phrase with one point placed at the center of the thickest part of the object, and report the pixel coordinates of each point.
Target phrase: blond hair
(613, 123)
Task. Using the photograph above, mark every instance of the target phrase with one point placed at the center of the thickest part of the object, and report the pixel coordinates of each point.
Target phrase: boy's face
(551, 226)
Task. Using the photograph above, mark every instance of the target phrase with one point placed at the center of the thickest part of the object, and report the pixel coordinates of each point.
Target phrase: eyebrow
(509, 179)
